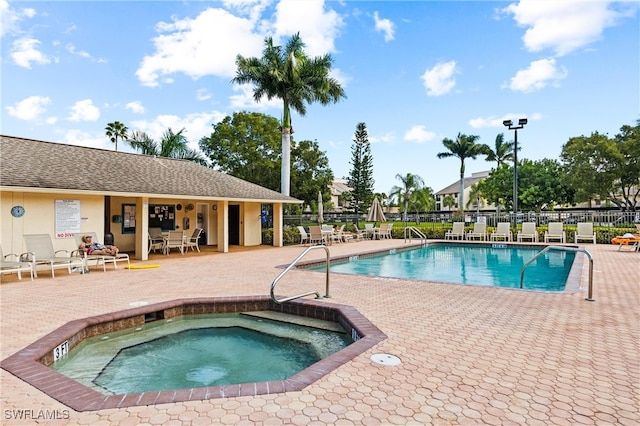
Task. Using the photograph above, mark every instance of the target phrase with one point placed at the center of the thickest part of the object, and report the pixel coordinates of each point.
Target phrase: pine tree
(361, 173)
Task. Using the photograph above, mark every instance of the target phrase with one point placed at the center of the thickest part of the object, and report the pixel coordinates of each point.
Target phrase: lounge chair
(528, 232)
(338, 235)
(40, 252)
(315, 235)
(194, 240)
(14, 266)
(503, 231)
(156, 239)
(479, 232)
(304, 237)
(174, 240)
(358, 234)
(585, 232)
(628, 240)
(98, 258)
(456, 232)
(555, 232)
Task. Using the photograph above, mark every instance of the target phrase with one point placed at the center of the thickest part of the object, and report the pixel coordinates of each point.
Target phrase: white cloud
(318, 27)
(539, 74)
(24, 52)
(84, 110)
(30, 108)
(419, 133)
(244, 99)
(489, 122)
(92, 140)
(135, 106)
(203, 94)
(439, 80)
(10, 18)
(388, 137)
(196, 125)
(566, 25)
(194, 47)
(385, 26)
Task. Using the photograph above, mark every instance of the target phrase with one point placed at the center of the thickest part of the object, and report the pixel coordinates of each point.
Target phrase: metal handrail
(423, 238)
(563, 248)
(291, 265)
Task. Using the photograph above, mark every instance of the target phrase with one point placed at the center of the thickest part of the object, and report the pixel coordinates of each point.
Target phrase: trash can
(202, 241)
(108, 239)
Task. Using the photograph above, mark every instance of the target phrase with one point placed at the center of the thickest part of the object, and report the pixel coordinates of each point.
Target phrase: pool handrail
(409, 229)
(563, 248)
(291, 265)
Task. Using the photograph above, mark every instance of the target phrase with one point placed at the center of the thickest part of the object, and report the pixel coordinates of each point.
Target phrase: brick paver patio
(470, 355)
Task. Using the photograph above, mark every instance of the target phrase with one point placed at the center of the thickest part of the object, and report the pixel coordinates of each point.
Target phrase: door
(234, 224)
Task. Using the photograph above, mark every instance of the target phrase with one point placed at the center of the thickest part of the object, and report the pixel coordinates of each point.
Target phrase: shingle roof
(27, 163)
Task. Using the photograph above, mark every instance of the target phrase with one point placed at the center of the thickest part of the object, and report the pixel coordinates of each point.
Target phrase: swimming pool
(496, 265)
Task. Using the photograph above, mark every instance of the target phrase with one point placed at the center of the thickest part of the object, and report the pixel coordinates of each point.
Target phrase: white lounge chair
(456, 232)
(479, 232)
(99, 258)
(304, 237)
(14, 266)
(156, 239)
(503, 231)
(555, 232)
(194, 240)
(528, 232)
(40, 251)
(585, 232)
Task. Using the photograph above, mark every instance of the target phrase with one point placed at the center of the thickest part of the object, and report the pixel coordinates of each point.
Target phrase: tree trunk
(285, 174)
(461, 193)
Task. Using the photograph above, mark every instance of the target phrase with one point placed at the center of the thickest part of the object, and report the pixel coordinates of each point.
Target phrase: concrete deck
(470, 355)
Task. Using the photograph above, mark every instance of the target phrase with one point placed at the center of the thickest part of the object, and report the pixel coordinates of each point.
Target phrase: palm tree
(116, 130)
(172, 145)
(423, 201)
(463, 147)
(405, 193)
(293, 77)
(475, 196)
(502, 153)
(448, 201)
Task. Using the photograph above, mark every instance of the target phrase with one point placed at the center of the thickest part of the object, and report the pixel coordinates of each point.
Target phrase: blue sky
(415, 72)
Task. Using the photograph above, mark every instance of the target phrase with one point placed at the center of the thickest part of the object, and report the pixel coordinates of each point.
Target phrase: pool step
(295, 319)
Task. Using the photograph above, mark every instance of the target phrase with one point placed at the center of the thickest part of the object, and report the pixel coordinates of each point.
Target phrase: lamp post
(509, 124)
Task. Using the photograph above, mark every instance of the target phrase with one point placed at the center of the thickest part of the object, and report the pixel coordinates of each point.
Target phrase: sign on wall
(67, 218)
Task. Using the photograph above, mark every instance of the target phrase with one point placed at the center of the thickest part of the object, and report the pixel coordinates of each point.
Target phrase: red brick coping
(31, 363)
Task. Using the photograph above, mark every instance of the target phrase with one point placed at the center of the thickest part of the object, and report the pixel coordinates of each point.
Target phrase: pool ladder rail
(563, 248)
(412, 229)
(291, 266)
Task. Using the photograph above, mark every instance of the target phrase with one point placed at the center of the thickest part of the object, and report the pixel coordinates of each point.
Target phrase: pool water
(198, 351)
(495, 265)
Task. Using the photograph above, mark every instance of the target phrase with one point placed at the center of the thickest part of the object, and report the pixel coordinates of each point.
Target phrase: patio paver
(470, 355)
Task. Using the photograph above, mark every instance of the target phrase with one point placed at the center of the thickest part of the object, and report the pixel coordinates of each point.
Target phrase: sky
(415, 72)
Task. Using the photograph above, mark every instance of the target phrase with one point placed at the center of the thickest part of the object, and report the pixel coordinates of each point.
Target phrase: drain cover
(385, 359)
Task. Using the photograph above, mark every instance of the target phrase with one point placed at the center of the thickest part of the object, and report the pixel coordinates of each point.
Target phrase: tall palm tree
(463, 147)
(290, 75)
(405, 193)
(116, 130)
(172, 145)
(475, 196)
(502, 153)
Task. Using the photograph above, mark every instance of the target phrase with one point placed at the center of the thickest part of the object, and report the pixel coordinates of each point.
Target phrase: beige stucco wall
(39, 218)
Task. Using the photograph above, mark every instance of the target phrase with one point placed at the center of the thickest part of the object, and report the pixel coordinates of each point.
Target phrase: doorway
(234, 224)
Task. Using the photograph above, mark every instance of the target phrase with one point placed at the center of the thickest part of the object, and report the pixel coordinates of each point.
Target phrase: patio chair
(175, 239)
(316, 235)
(555, 232)
(358, 234)
(386, 233)
(337, 235)
(304, 237)
(193, 241)
(14, 266)
(98, 258)
(156, 239)
(456, 232)
(503, 231)
(479, 232)
(369, 230)
(585, 232)
(528, 232)
(40, 252)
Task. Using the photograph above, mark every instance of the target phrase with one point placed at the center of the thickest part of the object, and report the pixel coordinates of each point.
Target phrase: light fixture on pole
(509, 124)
